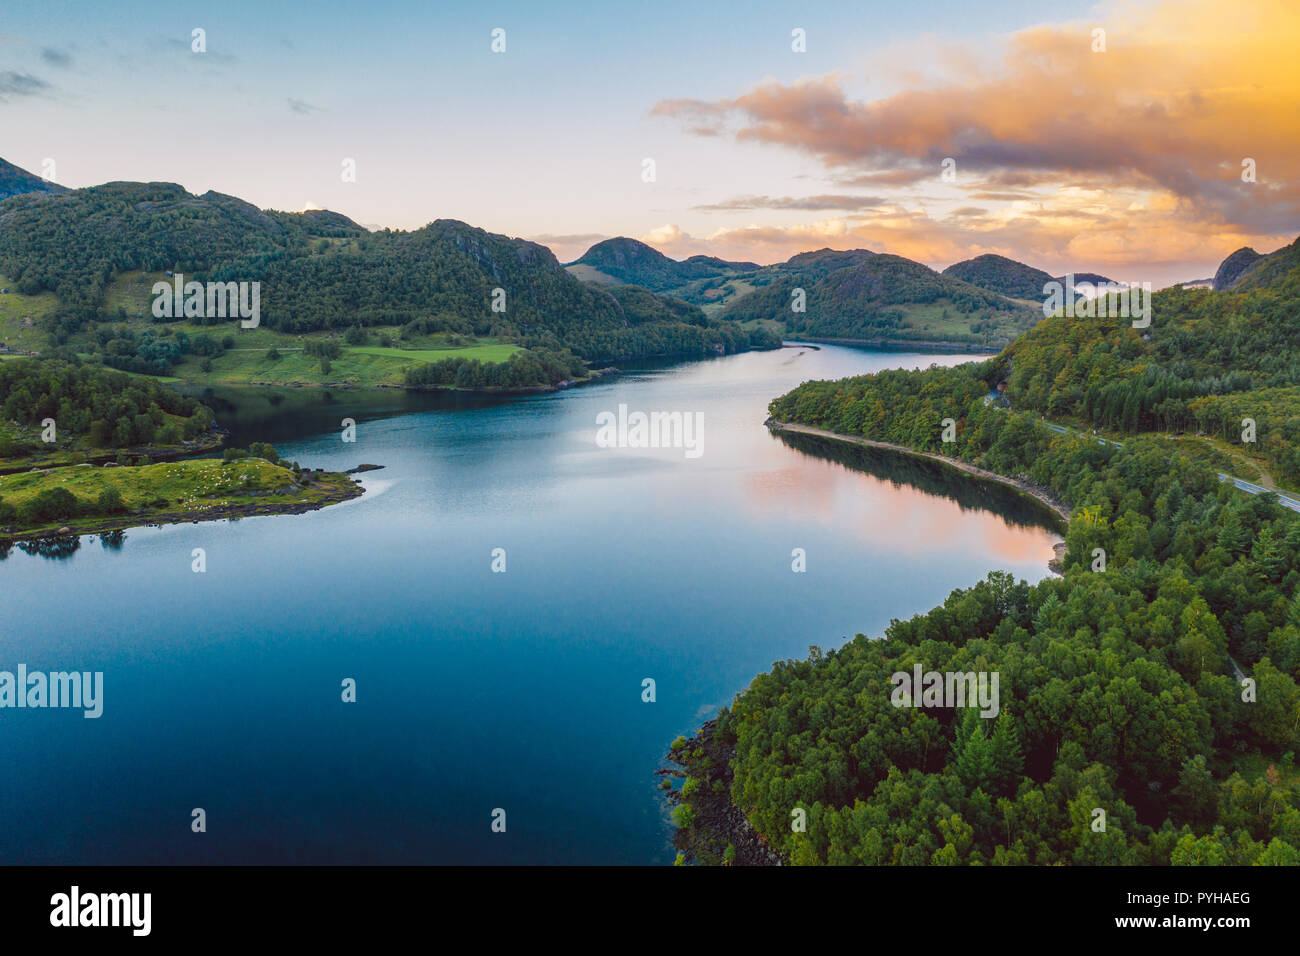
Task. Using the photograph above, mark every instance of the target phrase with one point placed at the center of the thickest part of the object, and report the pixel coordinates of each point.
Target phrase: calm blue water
(476, 690)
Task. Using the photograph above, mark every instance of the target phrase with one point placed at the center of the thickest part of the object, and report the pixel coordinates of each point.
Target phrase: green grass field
(180, 482)
(20, 317)
(491, 354)
(360, 367)
(363, 366)
(179, 490)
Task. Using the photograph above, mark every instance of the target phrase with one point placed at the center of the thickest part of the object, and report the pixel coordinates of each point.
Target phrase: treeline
(59, 504)
(522, 369)
(91, 406)
(1117, 685)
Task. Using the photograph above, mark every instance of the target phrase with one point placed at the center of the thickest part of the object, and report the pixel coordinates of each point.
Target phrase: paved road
(1286, 501)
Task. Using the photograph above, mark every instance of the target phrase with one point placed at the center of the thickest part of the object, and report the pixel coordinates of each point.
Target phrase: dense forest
(94, 411)
(93, 407)
(1208, 361)
(1152, 686)
(320, 271)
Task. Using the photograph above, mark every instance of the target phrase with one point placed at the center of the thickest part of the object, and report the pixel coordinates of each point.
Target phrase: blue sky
(545, 140)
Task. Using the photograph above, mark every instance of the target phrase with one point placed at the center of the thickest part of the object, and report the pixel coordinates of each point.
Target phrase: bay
(475, 690)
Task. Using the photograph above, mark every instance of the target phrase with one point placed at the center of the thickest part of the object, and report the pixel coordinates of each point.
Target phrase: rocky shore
(717, 823)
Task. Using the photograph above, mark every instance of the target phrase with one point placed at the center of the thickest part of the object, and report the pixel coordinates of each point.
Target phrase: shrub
(51, 504)
(110, 501)
(264, 450)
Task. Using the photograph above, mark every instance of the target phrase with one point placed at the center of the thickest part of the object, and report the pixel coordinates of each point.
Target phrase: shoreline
(1023, 487)
(719, 823)
(904, 345)
(196, 387)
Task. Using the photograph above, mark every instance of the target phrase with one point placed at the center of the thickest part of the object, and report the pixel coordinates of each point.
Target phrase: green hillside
(320, 275)
(631, 262)
(1001, 275)
(882, 297)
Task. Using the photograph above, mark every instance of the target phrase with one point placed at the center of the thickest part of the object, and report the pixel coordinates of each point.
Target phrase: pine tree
(1233, 536)
(973, 751)
(1270, 557)
(1008, 759)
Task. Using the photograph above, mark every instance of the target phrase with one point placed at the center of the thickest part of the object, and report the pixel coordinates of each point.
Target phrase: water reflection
(931, 477)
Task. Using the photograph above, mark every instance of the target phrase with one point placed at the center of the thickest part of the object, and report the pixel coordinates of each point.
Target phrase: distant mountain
(1011, 278)
(1246, 269)
(719, 265)
(631, 262)
(1001, 275)
(17, 182)
(876, 296)
(1232, 268)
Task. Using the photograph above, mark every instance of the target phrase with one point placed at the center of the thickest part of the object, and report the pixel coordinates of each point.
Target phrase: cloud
(1184, 93)
(668, 235)
(302, 107)
(570, 246)
(1072, 230)
(820, 203)
(20, 84)
(56, 57)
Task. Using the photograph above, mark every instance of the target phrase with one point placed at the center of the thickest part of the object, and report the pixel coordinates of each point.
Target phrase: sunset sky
(1126, 162)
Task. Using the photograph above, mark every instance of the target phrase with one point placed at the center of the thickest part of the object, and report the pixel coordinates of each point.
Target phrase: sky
(933, 130)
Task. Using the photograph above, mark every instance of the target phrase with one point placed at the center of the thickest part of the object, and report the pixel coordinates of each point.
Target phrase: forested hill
(869, 296)
(1011, 278)
(631, 262)
(16, 182)
(1253, 271)
(1119, 690)
(853, 294)
(320, 271)
(1001, 275)
(1208, 361)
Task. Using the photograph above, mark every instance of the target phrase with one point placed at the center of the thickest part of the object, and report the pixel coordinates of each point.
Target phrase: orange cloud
(1152, 133)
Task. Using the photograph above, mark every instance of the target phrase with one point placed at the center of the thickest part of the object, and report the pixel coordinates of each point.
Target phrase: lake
(475, 689)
